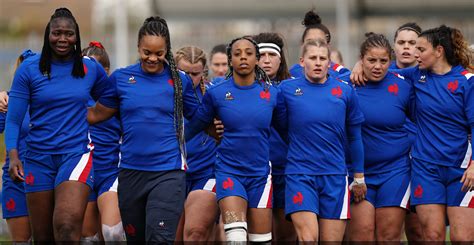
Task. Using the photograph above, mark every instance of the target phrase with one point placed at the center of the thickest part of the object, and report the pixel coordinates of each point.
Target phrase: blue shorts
(207, 183)
(257, 191)
(44, 172)
(327, 196)
(13, 198)
(104, 180)
(389, 189)
(278, 191)
(436, 184)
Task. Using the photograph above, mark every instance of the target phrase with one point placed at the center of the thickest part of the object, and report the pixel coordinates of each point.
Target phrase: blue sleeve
(21, 83)
(356, 148)
(469, 100)
(203, 116)
(2, 121)
(101, 86)
(353, 113)
(190, 102)
(16, 113)
(110, 97)
(410, 74)
(343, 71)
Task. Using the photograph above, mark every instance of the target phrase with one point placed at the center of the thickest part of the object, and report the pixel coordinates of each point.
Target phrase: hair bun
(370, 34)
(63, 9)
(311, 18)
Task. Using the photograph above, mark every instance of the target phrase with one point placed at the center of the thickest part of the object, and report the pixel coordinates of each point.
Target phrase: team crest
(298, 92)
(228, 96)
(132, 79)
(422, 79)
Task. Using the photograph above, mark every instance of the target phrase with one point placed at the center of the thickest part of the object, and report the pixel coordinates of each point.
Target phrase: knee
(66, 231)
(433, 235)
(388, 235)
(198, 233)
(361, 232)
(307, 235)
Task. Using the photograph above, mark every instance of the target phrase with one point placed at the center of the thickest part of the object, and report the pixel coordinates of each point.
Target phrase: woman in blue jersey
(103, 199)
(151, 97)
(386, 102)
(322, 112)
(442, 179)
(273, 62)
(218, 62)
(200, 208)
(244, 102)
(58, 172)
(315, 29)
(14, 207)
(404, 49)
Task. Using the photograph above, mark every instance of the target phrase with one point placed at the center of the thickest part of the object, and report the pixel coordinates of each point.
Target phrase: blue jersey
(201, 151)
(409, 125)
(58, 106)
(246, 112)
(444, 114)
(146, 108)
(318, 115)
(335, 70)
(21, 147)
(385, 106)
(106, 139)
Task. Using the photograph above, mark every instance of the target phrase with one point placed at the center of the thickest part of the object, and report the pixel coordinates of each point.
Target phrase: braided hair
(193, 55)
(260, 74)
(157, 26)
(97, 50)
(46, 53)
(374, 40)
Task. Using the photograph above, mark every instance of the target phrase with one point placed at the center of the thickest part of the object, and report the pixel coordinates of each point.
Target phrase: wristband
(359, 181)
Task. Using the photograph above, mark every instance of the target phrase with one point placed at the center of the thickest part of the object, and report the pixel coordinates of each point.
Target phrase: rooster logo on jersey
(228, 96)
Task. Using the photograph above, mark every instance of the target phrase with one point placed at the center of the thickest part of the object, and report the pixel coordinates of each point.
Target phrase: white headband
(269, 47)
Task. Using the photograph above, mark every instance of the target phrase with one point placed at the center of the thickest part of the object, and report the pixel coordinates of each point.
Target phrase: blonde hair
(193, 55)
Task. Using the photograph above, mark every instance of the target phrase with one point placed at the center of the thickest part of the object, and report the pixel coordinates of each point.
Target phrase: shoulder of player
(220, 85)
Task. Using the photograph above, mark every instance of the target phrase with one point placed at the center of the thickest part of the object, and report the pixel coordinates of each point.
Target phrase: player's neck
(441, 67)
(244, 80)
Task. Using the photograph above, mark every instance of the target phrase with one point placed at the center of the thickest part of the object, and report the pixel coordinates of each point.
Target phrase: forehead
(378, 52)
(218, 57)
(152, 42)
(187, 66)
(243, 44)
(62, 23)
(422, 41)
(318, 51)
(407, 35)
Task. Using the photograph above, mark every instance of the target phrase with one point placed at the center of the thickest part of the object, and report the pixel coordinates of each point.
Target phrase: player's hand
(357, 75)
(16, 167)
(216, 130)
(358, 188)
(468, 178)
(3, 101)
